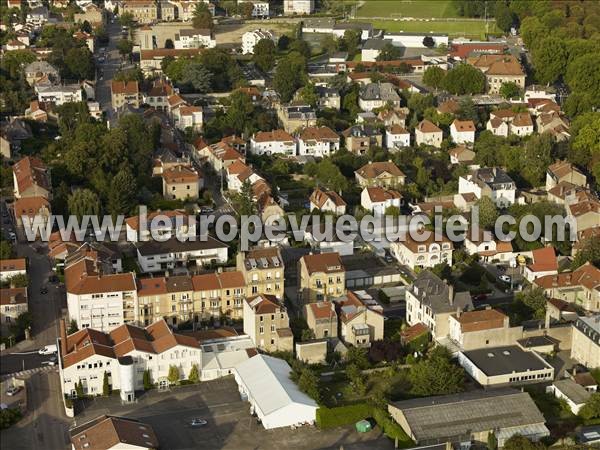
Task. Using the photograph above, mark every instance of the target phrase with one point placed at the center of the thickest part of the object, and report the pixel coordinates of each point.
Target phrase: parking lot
(230, 425)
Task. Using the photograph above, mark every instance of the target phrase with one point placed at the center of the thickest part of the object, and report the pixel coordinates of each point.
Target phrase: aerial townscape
(300, 224)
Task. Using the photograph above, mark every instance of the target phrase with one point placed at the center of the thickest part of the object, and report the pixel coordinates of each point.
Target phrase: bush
(343, 415)
(9, 417)
(391, 429)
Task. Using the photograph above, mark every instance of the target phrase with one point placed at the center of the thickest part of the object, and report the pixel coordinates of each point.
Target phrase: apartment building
(378, 199)
(124, 93)
(376, 95)
(251, 38)
(424, 252)
(489, 182)
(143, 11)
(298, 7)
(585, 343)
(273, 142)
(296, 117)
(462, 131)
(124, 354)
(396, 137)
(12, 267)
(174, 222)
(322, 319)
(360, 138)
(318, 142)
(219, 293)
(263, 271)
(96, 297)
(267, 323)
(428, 133)
(580, 287)
(195, 38)
(170, 298)
(13, 303)
(499, 69)
(382, 174)
(431, 301)
(321, 277)
(59, 94)
(361, 319)
(564, 172)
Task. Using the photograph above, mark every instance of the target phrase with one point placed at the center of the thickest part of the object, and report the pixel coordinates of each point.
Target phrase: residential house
(37, 112)
(376, 95)
(372, 48)
(159, 223)
(263, 271)
(143, 11)
(109, 432)
(318, 142)
(13, 133)
(217, 293)
(219, 156)
(499, 69)
(322, 319)
(473, 417)
(195, 38)
(58, 94)
(378, 199)
(360, 318)
(87, 38)
(555, 124)
(504, 122)
(382, 174)
(544, 263)
(37, 16)
(396, 137)
(31, 178)
(586, 213)
(13, 303)
(396, 116)
(298, 7)
(485, 328)
(431, 301)
(585, 343)
(124, 93)
(92, 14)
(487, 246)
(169, 298)
(15, 44)
(272, 142)
(251, 38)
(181, 183)
(580, 287)
(188, 117)
(38, 70)
(360, 138)
(295, 117)
(158, 95)
(151, 59)
(489, 182)
(462, 131)
(427, 251)
(267, 323)
(32, 213)
(12, 267)
(327, 201)
(329, 97)
(157, 256)
(449, 106)
(428, 133)
(564, 171)
(320, 277)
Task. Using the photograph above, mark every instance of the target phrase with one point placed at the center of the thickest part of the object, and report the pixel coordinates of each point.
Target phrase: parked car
(48, 350)
(44, 290)
(13, 390)
(196, 422)
(505, 278)
(479, 297)
(51, 362)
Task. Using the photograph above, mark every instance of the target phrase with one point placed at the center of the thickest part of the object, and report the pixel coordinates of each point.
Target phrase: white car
(505, 278)
(48, 350)
(198, 422)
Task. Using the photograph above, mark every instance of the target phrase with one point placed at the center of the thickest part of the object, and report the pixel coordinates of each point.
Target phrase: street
(108, 69)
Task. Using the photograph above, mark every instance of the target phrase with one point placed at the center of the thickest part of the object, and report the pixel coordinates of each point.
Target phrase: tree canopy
(436, 375)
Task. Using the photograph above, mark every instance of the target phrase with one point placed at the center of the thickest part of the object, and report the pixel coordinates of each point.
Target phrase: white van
(48, 350)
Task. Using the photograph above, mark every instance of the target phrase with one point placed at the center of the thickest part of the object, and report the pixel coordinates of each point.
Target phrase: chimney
(63, 337)
(450, 293)
(574, 371)
(219, 269)
(458, 312)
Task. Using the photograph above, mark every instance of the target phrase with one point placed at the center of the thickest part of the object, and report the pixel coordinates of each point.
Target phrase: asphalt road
(17, 362)
(108, 68)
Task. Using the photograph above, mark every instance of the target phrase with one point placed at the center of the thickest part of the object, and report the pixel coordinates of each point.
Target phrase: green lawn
(474, 29)
(407, 8)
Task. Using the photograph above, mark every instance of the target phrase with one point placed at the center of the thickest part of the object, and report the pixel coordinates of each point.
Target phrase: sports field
(407, 8)
(470, 29)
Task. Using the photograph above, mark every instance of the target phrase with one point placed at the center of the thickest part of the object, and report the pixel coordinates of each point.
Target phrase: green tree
(290, 75)
(591, 409)
(79, 389)
(302, 47)
(173, 375)
(357, 379)
(309, 95)
(393, 211)
(327, 174)
(147, 380)
(428, 42)
(585, 143)
(549, 59)
(505, 18)
(79, 63)
(329, 44)
(535, 300)
(309, 384)
(194, 376)
(518, 442)
(307, 335)
(238, 112)
(126, 19)
(264, 54)
(198, 77)
(202, 17)
(122, 194)
(488, 213)
(84, 202)
(536, 157)
(357, 356)
(583, 76)
(434, 77)
(283, 42)
(19, 281)
(510, 90)
(106, 387)
(389, 52)
(247, 205)
(125, 47)
(72, 327)
(464, 79)
(245, 9)
(350, 42)
(436, 375)
(588, 252)
(492, 441)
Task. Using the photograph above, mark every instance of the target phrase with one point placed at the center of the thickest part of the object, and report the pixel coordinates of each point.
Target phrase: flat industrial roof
(505, 360)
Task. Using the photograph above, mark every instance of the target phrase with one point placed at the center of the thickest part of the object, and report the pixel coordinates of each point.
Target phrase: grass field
(407, 8)
(471, 29)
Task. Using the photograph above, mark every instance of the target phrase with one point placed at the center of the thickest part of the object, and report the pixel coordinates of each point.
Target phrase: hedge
(347, 415)
(342, 415)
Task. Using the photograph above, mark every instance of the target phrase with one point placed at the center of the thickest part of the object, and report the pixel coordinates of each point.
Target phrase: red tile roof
(544, 260)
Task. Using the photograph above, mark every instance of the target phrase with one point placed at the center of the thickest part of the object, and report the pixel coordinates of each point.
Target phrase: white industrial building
(415, 40)
(276, 400)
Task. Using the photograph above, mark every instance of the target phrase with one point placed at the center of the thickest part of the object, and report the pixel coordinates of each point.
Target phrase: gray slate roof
(446, 416)
(576, 393)
(430, 290)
